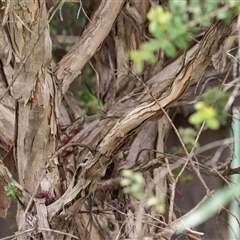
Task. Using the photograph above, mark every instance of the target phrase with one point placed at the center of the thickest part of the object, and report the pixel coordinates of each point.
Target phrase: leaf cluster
(133, 183)
(188, 136)
(217, 99)
(211, 109)
(11, 191)
(172, 29)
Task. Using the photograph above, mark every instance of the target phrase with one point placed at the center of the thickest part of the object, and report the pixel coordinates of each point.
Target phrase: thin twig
(172, 197)
(194, 166)
(85, 14)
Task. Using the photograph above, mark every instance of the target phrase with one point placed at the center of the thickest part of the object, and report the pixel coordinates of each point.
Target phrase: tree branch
(173, 85)
(177, 84)
(97, 30)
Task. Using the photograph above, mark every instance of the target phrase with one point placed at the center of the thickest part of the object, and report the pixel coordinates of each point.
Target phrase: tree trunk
(65, 186)
(26, 32)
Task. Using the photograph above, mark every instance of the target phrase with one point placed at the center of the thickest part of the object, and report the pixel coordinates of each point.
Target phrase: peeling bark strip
(97, 30)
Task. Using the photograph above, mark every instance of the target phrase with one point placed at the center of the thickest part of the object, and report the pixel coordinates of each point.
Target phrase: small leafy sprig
(172, 29)
(133, 183)
(11, 191)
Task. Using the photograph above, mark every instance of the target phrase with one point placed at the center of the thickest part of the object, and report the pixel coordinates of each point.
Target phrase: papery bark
(69, 176)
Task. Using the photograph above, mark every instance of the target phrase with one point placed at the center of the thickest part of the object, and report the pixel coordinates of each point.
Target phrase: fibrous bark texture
(71, 185)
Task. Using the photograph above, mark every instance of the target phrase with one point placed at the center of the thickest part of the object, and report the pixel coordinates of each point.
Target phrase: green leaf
(156, 202)
(153, 200)
(212, 6)
(213, 124)
(146, 55)
(132, 183)
(217, 99)
(125, 182)
(152, 45)
(138, 194)
(158, 15)
(11, 191)
(210, 207)
(138, 67)
(138, 177)
(195, 119)
(204, 114)
(135, 56)
(206, 22)
(196, 9)
(135, 188)
(181, 43)
(127, 173)
(199, 105)
(177, 7)
(187, 134)
(170, 50)
(222, 15)
(207, 113)
(237, 8)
